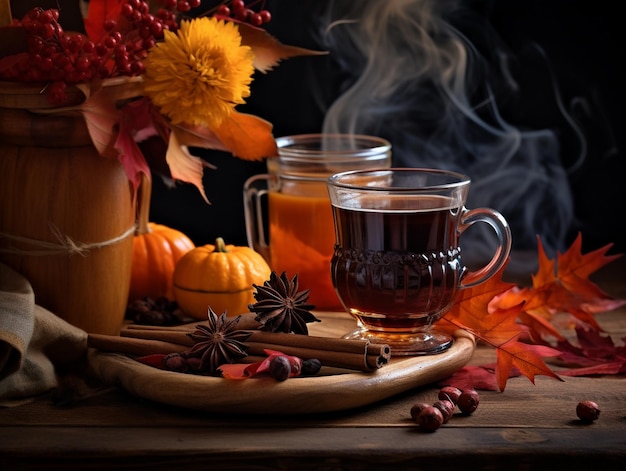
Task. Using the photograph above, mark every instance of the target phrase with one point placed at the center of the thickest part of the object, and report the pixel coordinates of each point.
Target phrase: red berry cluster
(182, 6)
(247, 13)
(61, 58)
(430, 417)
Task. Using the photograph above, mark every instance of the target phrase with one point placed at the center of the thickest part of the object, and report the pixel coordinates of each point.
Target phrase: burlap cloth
(36, 346)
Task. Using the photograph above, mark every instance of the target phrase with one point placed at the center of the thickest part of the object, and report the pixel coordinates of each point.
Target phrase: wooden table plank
(526, 427)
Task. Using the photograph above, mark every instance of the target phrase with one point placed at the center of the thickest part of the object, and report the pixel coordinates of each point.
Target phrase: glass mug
(287, 211)
(397, 264)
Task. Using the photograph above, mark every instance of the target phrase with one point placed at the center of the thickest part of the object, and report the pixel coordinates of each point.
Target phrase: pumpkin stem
(143, 208)
(220, 245)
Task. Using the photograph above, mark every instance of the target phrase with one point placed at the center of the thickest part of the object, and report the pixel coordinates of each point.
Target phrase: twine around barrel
(68, 214)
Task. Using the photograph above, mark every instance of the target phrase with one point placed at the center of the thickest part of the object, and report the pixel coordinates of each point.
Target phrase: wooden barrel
(67, 214)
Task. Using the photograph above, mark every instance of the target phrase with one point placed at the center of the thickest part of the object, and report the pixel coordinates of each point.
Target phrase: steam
(418, 81)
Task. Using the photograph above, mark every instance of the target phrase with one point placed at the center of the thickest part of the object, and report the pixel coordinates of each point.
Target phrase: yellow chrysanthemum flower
(200, 73)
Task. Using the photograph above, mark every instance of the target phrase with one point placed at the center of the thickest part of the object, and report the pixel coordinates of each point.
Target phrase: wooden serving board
(332, 390)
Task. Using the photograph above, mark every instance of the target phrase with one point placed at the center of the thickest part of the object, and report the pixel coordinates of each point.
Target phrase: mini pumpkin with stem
(219, 276)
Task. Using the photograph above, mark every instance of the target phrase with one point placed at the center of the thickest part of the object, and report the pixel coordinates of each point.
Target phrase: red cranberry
(429, 419)
(468, 401)
(446, 407)
(451, 393)
(587, 411)
(417, 408)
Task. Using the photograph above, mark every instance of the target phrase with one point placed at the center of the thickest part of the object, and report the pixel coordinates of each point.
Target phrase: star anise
(218, 342)
(280, 307)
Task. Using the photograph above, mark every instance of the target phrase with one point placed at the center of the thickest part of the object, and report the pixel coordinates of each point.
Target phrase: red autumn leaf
(476, 377)
(599, 369)
(98, 13)
(244, 371)
(130, 156)
(596, 354)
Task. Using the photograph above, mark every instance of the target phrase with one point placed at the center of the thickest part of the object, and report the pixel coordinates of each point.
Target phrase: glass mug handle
(503, 233)
(255, 192)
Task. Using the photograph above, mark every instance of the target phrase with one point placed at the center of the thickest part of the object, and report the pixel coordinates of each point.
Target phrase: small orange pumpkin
(218, 276)
(155, 255)
(156, 250)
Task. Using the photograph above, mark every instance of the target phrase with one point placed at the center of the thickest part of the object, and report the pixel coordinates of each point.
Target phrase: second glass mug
(288, 215)
(397, 261)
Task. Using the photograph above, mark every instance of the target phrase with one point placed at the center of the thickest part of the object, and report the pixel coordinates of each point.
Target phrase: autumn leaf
(242, 371)
(247, 136)
(183, 165)
(473, 311)
(518, 321)
(574, 269)
(526, 357)
(476, 377)
(101, 109)
(268, 51)
(135, 120)
(596, 354)
(98, 13)
(563, 286)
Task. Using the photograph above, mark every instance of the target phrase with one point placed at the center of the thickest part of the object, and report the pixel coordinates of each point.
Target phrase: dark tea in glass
(397, 265)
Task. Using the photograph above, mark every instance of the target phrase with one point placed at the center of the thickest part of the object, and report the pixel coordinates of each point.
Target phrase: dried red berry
(429, 419)
(468, 401)
(587, 411)
(417, 408)
(311, 367)
(451, 393)
(280, 368)
(446, 407)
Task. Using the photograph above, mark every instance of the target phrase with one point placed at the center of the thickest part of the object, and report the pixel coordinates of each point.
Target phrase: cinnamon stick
(353, 361)
(352, 354)
(178, 337)
(247, 321)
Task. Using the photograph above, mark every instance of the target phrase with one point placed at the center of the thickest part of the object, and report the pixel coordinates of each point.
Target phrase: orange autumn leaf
(526, 357)
(574, 269)
(473, 312)
(268, 51)
(563, 286)
(182, 164)
(247, 136)
(539, 327)
(243, 135)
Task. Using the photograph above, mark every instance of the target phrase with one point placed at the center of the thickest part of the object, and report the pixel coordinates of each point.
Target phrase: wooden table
(527, 427)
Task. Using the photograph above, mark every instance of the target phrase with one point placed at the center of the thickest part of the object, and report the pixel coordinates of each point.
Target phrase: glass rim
(292, 146)
(460, 179)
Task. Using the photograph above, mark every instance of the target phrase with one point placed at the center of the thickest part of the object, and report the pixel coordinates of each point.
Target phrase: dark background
(580, 39)
(576, 45)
